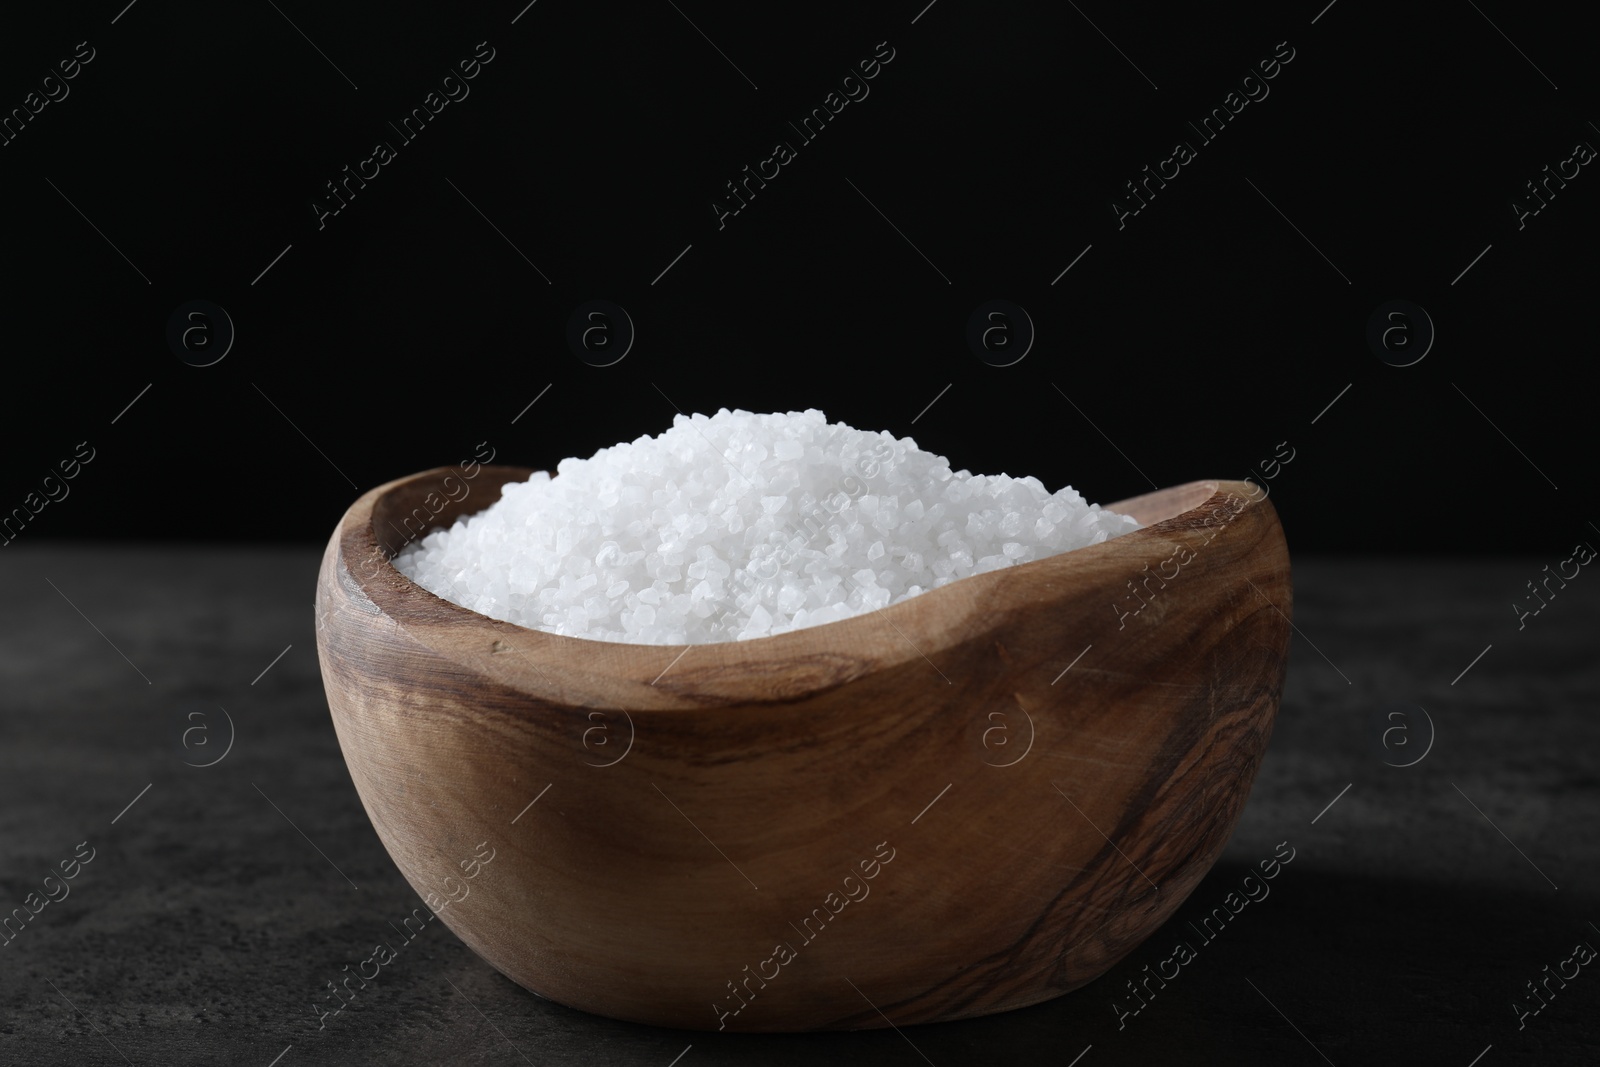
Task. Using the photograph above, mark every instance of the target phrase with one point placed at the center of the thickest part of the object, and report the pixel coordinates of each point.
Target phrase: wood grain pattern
(707, 805)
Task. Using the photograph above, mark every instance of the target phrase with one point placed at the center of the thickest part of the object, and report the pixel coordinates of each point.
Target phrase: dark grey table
(220, 900)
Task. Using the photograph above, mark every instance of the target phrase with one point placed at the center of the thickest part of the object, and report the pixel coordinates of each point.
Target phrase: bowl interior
(1164, 504)
(408, 509)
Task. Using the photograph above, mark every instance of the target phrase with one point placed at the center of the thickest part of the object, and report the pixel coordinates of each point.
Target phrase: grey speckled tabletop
(220, 900)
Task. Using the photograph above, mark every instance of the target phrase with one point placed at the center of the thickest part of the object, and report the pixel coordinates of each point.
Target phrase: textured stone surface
(206, 926)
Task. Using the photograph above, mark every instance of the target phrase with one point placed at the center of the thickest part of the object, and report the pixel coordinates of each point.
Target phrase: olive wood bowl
(970, 801)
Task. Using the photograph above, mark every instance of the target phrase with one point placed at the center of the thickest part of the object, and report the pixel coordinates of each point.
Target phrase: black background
(407, 330)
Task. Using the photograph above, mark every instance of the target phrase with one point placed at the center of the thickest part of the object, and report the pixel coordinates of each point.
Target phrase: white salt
(735, 526)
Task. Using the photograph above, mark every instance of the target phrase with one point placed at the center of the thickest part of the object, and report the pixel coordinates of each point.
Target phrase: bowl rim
(418, 609)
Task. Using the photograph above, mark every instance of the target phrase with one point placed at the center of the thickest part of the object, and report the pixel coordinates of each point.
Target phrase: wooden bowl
(970, 801)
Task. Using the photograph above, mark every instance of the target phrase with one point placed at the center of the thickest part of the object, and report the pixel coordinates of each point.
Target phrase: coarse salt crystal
(739, 525)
